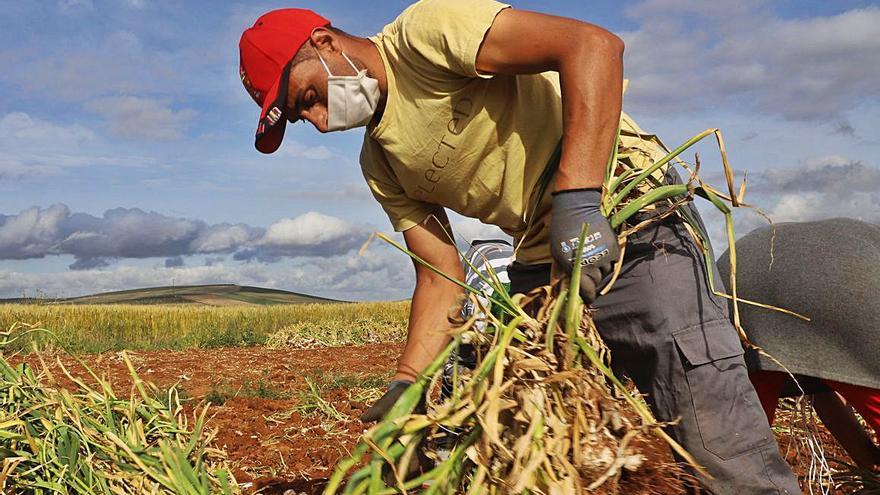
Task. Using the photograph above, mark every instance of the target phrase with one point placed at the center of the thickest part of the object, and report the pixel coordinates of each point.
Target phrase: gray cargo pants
(673, 337)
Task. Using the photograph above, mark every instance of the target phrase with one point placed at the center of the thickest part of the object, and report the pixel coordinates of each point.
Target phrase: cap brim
(270, 128)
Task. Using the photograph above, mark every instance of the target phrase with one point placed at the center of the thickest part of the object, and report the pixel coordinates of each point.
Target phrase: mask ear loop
(322, 61)
(356, 70)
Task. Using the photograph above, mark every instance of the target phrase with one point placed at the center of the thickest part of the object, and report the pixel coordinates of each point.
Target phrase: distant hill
(208, 295)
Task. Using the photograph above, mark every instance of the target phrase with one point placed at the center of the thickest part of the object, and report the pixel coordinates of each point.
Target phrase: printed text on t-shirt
(461, 113)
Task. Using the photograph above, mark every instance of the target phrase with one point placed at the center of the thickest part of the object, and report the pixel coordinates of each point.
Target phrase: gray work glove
(571, 210)
(386, 402)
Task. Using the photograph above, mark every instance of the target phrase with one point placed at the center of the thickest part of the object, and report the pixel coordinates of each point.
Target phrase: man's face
(307, 87)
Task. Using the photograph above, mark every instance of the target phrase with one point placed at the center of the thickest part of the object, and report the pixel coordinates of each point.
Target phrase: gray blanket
(828, 270)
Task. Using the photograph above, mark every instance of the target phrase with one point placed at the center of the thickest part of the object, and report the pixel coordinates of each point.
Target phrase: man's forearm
(428, 321)
(592, 94)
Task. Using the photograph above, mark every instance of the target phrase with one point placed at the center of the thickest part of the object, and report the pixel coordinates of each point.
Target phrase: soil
(277, 445)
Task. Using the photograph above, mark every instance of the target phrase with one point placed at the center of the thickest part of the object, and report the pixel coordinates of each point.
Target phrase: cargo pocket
(726, 409)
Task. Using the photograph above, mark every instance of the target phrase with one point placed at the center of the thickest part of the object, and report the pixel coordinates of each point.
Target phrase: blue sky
(126, 139)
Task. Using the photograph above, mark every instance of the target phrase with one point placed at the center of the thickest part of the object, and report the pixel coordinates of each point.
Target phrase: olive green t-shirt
(453, 137)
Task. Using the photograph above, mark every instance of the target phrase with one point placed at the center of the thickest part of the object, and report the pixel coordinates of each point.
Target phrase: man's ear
(324, 40)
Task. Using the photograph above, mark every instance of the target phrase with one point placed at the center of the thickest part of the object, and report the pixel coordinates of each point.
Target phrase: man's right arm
(433, 295)
(432, 299)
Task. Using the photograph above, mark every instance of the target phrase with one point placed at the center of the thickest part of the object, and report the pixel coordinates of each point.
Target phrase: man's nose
(315, 115)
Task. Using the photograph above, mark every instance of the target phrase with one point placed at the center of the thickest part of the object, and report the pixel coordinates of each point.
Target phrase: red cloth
(865, 400)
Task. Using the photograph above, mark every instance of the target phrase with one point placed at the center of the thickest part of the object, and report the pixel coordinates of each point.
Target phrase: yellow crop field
(99, 328)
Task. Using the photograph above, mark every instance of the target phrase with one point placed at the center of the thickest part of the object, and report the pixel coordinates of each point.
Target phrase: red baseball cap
(266, 50)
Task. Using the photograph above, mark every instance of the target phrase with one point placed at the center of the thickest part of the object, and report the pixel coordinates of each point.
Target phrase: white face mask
(351, 100)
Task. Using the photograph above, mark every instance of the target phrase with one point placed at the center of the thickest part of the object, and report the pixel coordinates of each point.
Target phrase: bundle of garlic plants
(541, 412)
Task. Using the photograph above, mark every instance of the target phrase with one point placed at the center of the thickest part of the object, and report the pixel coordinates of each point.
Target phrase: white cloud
(34, 147)
(794, 207)
(817, 206)
(134, 233)
(20, 129)
(306, 230)
(33, 233)
(309, 234)
(833, 175)
(818, 162)
(132, 116)
(296, 149)
(818, 188)
(690, 54)
(129, 233)
(84, 64)
(76, 73)
(223, 238)
(381, 274)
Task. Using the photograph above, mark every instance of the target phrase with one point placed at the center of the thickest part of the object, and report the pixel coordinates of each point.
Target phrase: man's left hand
(378, 410)
(571, 210)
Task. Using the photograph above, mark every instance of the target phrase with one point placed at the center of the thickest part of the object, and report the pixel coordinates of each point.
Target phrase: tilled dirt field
(285, 417)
